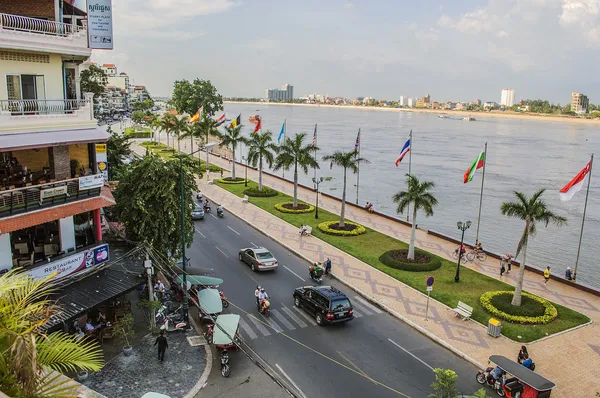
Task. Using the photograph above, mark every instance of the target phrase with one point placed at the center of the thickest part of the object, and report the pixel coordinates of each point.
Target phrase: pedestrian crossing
(254, 326)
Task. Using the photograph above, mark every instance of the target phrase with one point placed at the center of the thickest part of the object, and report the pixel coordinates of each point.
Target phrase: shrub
(325, 227)
(229, 180)
(266, 192)
(388, 259)
(550, 312)
(132, 132)
(280, 207)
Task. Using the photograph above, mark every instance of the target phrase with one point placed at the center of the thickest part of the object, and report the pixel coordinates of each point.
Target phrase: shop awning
(41, 139)
(210, 301)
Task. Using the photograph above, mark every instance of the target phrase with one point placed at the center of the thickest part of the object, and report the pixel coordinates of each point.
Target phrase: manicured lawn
(166, 152)
(138, 132)
(369, 246)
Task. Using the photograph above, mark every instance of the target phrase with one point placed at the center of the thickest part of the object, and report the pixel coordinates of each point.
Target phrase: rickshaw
(210, 302)
(524, 382)
(225, 336)
(197, 283)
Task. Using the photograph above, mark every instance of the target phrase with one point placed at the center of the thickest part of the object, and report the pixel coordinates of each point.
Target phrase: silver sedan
(259, 258)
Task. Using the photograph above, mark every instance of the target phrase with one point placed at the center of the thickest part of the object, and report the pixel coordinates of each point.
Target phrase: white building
(403, 101)
(507, 97)
(411, 102)
(285, 93)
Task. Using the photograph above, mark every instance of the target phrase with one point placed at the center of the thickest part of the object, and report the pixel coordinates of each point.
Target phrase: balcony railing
(35, 25)
(41, 107)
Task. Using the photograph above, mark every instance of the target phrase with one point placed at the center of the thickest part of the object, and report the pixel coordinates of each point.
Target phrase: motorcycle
(220, 212)
(173, 325)
(267, 308)
(316, 276)
(485, 377)
(206, 209)
(175, 315)
(224, 300)
(209, 333)
(225, 368)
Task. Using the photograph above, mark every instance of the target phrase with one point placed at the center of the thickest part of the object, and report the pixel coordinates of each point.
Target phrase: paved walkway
(569, 359)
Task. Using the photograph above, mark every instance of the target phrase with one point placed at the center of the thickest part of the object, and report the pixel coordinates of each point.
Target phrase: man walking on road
(162, 345)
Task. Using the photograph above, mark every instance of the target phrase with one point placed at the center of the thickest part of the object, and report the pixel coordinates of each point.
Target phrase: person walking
(522, 354)
(547, 274)
(163, 344)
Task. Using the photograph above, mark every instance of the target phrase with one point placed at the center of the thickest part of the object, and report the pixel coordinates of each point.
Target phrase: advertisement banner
(100, 29)
(72, 264)
(102, 160)
(51, 192)
(90, 182)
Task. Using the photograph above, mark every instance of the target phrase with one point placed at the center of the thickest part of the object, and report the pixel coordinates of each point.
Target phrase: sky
(455, 50)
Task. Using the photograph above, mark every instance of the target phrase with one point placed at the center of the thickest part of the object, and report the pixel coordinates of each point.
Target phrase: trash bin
(494, 328)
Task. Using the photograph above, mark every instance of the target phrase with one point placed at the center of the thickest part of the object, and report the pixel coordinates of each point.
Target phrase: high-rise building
(403, 101)
(579, 103)
(411, 102)
(285, 93)
(507, 97)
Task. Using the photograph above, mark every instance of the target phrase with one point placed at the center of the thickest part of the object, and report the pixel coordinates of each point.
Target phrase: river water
(522, 155)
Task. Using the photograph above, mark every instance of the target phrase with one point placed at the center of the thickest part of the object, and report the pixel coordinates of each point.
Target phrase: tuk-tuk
(524, 382)
(195, 283)
(225, 331)
(209, 301)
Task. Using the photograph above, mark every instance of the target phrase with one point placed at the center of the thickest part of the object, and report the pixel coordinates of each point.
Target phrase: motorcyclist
(263, 298)
(207, 205)
(220, 210)
(256, 294)
(316, 271)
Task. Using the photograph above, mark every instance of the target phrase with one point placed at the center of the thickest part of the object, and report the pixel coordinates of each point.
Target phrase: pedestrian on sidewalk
(522, 354)
(163, 344)
(569, 274)
(502, 268)
(547, 274)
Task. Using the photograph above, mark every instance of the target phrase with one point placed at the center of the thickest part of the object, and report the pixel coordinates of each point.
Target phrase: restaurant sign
(52, 192)
(73, 264)
(90, 182)
(100, 29)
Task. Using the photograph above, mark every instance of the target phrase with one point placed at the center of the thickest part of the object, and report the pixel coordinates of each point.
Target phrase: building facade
(579, 103)
(403, 101)
(507, 97)
(285, 93)
(424, 102)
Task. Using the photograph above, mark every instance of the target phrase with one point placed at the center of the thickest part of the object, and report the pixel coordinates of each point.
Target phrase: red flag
(258, 126)
(574, 186)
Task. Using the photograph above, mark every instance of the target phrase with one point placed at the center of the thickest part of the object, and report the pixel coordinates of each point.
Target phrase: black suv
(326, 303)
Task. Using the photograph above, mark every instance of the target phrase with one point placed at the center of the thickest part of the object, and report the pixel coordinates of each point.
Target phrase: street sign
(429, 288)
(430, 281)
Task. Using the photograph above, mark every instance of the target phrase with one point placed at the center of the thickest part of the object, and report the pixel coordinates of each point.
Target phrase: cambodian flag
(403, 152)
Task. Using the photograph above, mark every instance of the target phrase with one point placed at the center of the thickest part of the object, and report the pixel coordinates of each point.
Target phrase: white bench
(245, 199)
(463, 310)
(308, 230)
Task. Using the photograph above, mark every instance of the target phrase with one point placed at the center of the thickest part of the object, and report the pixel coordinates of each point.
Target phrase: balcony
(39, 35)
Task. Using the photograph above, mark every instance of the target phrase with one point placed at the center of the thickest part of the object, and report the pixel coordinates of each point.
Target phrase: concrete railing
(36, 25)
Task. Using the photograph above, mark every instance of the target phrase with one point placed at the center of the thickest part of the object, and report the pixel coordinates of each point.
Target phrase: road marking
(294, 273)
(309, 319)
(356, 314)
(368, 305)
(356, 367)
(201, 234)
(410, 353)
(254, 244)
(361, 308)
(294, 317)
(222, 252)
(234, 230)
(259, 325)
(274, 325)
(213, 216)
(247, 329)
(291, 381)
(282, 319)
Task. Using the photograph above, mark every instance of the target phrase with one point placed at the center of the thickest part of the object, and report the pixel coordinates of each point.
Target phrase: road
(373, 355)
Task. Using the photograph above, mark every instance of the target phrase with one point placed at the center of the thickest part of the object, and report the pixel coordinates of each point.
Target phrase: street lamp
(463, 227)
(317, 182)
(246, 171)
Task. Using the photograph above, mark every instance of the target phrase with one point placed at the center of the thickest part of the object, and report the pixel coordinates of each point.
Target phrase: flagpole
(358, 167)
(583, 219)
(481, 193)
(410, 138)
(315, 147)
(284, 133)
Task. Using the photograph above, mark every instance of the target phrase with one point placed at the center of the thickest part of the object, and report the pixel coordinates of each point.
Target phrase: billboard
(73, 264)
(102, 160)
(100, 29)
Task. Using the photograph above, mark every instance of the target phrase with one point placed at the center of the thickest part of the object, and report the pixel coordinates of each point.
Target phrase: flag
(281, 133)
(237, 121)
(476, 165)
(196, 116)
(314, 141)
(221, 118)
(403, 152)
(258, 126)
(357, 143)
(574, 186)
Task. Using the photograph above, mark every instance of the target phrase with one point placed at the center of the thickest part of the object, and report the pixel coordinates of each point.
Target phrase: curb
(209, 363)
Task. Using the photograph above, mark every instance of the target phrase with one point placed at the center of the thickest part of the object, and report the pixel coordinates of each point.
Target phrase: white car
(258, 258)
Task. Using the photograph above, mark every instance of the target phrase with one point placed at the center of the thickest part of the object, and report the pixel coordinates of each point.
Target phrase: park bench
(308, 230)
(245, 199)
(463, 310)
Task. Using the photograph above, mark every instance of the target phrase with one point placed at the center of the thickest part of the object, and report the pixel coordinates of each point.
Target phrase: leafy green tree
(346, 160)
(231, 138)
(444, 384)
(203, 129)
(418, 194)
(29, 356)
(189, 97)
(117, 148)
(293, 152)
(92, 81)
(138, 117)
(144, 105)
(149, 203)
(261, 147)
(531, 209)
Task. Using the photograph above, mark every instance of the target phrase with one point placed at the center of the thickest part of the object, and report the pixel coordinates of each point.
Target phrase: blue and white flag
(281, 133)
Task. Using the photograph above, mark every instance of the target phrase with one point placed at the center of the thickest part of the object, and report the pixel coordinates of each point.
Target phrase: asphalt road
(372, 355)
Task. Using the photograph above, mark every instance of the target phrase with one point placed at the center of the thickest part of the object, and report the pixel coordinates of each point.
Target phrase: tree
(148, 202)
(167, 124)
(189, 97)
(92, 81)
(180, 129)
(232, 137)
(138, 117)
(531, 210)
(418, 194)
(261, 147)
(293, 152)
(29, 356)
(346, 160)
(117, 148)
(444, 384)
(203, 128)
(144, 105)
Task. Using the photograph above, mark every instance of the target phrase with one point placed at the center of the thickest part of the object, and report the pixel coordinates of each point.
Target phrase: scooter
(224, 300)
(171, 325)
(485, 377)
(209, 332)
(225, 368)
(220, 212)
(313, 275)
(267, 308)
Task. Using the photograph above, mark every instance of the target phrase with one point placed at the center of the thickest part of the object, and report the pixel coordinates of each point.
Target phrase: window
(340, 304)
(321, 301)
(25, 87)
(264, 255)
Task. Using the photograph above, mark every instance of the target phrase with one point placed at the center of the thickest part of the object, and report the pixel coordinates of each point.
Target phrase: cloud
(582, 17)
(348, 6)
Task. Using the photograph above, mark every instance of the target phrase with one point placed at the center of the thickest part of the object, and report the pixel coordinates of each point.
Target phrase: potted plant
(124, 331)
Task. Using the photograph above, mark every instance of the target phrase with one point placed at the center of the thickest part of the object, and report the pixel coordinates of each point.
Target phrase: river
(522, 156)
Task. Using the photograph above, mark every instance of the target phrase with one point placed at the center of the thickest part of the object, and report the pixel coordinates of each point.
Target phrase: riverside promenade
(569, 359)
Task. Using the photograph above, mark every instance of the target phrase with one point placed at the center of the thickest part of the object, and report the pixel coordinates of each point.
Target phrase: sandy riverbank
(476, 115)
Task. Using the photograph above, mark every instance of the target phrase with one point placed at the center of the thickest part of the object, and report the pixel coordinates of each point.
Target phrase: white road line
(294, 273)
(222, 252)
(259, 325)
(201, 234)
(253, 244)
(362, 309)
(410, 353)
(291, 381)
(368, 305)
(213, 216)
(294, 317)
(273, 324)
(357, 314)
(309, 319)
(234, 230)
(247, 329)
(282, 319)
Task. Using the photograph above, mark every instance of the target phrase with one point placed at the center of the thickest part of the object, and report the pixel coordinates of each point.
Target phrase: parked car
(327, 304)
(198, 213)
(258, 258)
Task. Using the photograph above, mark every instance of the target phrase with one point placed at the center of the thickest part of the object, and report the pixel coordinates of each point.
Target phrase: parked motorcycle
(172, 325)
(485, 377)
(267, 308)
(209, 332)
(224, 300)
(225, 368)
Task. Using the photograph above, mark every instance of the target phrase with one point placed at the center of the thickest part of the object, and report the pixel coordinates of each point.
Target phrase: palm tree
(261, 147)
(203, 129)
(166, 125)
(180, 127)
(293, 152)
(531, 210)
(418, 194)
(347, 160)
(231, 138)
(29, 357)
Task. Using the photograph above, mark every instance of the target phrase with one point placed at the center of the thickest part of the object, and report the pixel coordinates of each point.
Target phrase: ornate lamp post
(317, 181)
(463, 227)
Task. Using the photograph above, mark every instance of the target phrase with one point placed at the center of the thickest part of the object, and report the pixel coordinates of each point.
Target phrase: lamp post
(317, 181)
(463, 227)
(245, 160)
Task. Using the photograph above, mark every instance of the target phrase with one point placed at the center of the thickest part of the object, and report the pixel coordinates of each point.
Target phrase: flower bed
(423, 261)
(550, 312)
(326, 227)
(286, 207)
(229, 180)
(266, 192)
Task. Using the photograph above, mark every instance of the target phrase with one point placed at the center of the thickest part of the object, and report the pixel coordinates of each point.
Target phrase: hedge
(279, 207)
(229, 180)
(387, 259)
(325, 227)
(266, 192)
(134, 133)
(550, 312)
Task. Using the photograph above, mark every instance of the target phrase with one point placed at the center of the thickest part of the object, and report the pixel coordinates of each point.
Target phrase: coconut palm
(29, 356)
(261, 147)
(203, 129)
(347, 160)
(531, 210)
(166, 125)
(231, 138)
(293, 152)
(417, 193)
